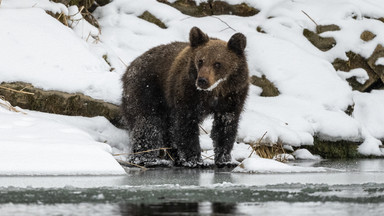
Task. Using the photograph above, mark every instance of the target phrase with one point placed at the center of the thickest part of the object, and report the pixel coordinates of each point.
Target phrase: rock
(322, 43)
(211, 7)
(269, 89)
(357, 61)
(152, 19)
(367, 36)
(335, 149)
(59, 102)
(219, 8)
(260, 29)
(64, 2)
(378, 69)
(324, 28)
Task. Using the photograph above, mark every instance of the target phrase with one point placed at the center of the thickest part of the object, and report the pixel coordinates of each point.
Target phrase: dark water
(352, 187)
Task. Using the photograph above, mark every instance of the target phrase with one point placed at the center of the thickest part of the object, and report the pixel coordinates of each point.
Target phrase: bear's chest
(207, 105)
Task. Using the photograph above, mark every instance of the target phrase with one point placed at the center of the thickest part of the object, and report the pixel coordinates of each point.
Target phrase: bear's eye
(200, 63)
(217, 65)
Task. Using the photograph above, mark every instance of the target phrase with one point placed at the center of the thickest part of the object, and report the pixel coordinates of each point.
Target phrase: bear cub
(171, 88)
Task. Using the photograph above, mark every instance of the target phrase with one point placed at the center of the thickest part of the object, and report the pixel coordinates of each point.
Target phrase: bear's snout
(205, 78)
(202, 82)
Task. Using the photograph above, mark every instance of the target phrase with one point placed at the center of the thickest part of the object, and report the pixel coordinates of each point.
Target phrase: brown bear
(171, 88)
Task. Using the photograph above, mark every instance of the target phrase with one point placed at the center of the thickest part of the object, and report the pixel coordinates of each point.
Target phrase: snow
(44, 144)
(304, 154)
(261, 165)
(213, 86)
(359, 73)
(46, 5)
(313, 95)
(380, 61)
(54, 59)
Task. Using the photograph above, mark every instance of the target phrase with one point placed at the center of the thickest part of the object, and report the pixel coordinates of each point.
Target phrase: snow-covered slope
(34, 143)
(313, 96)
(38, 49)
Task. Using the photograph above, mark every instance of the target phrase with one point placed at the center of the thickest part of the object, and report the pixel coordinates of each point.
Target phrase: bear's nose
(202, 82)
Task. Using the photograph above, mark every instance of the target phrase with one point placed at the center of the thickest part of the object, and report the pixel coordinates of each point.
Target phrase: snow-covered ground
(38, 49)
(34, 143)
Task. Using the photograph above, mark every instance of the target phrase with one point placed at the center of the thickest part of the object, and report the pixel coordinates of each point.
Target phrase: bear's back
(156, 61)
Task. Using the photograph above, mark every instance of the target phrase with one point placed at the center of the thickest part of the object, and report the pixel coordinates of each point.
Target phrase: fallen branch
(17, 91)
(150, 150)
(132, 164)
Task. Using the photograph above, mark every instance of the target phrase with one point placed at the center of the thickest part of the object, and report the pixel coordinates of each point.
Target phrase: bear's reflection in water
(178, 208)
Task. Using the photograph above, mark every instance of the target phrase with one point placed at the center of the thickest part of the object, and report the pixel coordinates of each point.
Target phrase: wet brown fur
(163, 106)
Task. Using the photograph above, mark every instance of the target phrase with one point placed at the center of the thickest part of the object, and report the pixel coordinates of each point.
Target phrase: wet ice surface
(350, 187)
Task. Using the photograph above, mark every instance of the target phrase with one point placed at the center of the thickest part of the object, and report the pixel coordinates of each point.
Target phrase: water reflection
(202, 208)
(338, 172)
(177, 176)
(369, 165)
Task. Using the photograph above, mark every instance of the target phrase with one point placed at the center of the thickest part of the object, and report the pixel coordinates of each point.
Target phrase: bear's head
(216, 60)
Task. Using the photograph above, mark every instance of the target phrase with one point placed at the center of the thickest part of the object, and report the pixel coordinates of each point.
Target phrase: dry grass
(5, 104)
(70, 21)
(268, 150)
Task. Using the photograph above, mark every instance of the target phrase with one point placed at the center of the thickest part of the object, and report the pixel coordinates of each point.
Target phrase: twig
(78, 12)
(122, 61)
(310, 18)
(65, 20)
(17, 91)
(127, 163)
(151, 150)
(169, 155)
(257, 143)
(203, 129)
(224, 23)
(208, 157)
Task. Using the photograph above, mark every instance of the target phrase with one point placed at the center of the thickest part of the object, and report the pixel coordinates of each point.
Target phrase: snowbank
(52, 60)
(45, 144)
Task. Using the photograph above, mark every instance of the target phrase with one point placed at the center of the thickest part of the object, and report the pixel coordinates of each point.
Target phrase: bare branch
(309, 18)
(224, 23)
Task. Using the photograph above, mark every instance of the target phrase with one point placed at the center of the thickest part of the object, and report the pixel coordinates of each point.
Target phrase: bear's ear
(237, 43)
(197, 37)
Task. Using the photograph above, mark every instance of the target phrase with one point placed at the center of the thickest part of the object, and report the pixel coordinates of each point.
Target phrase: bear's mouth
(203, 84)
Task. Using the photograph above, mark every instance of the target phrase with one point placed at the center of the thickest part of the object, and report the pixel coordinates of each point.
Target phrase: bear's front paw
(223, 160)
(142, 160)
(191, 162)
